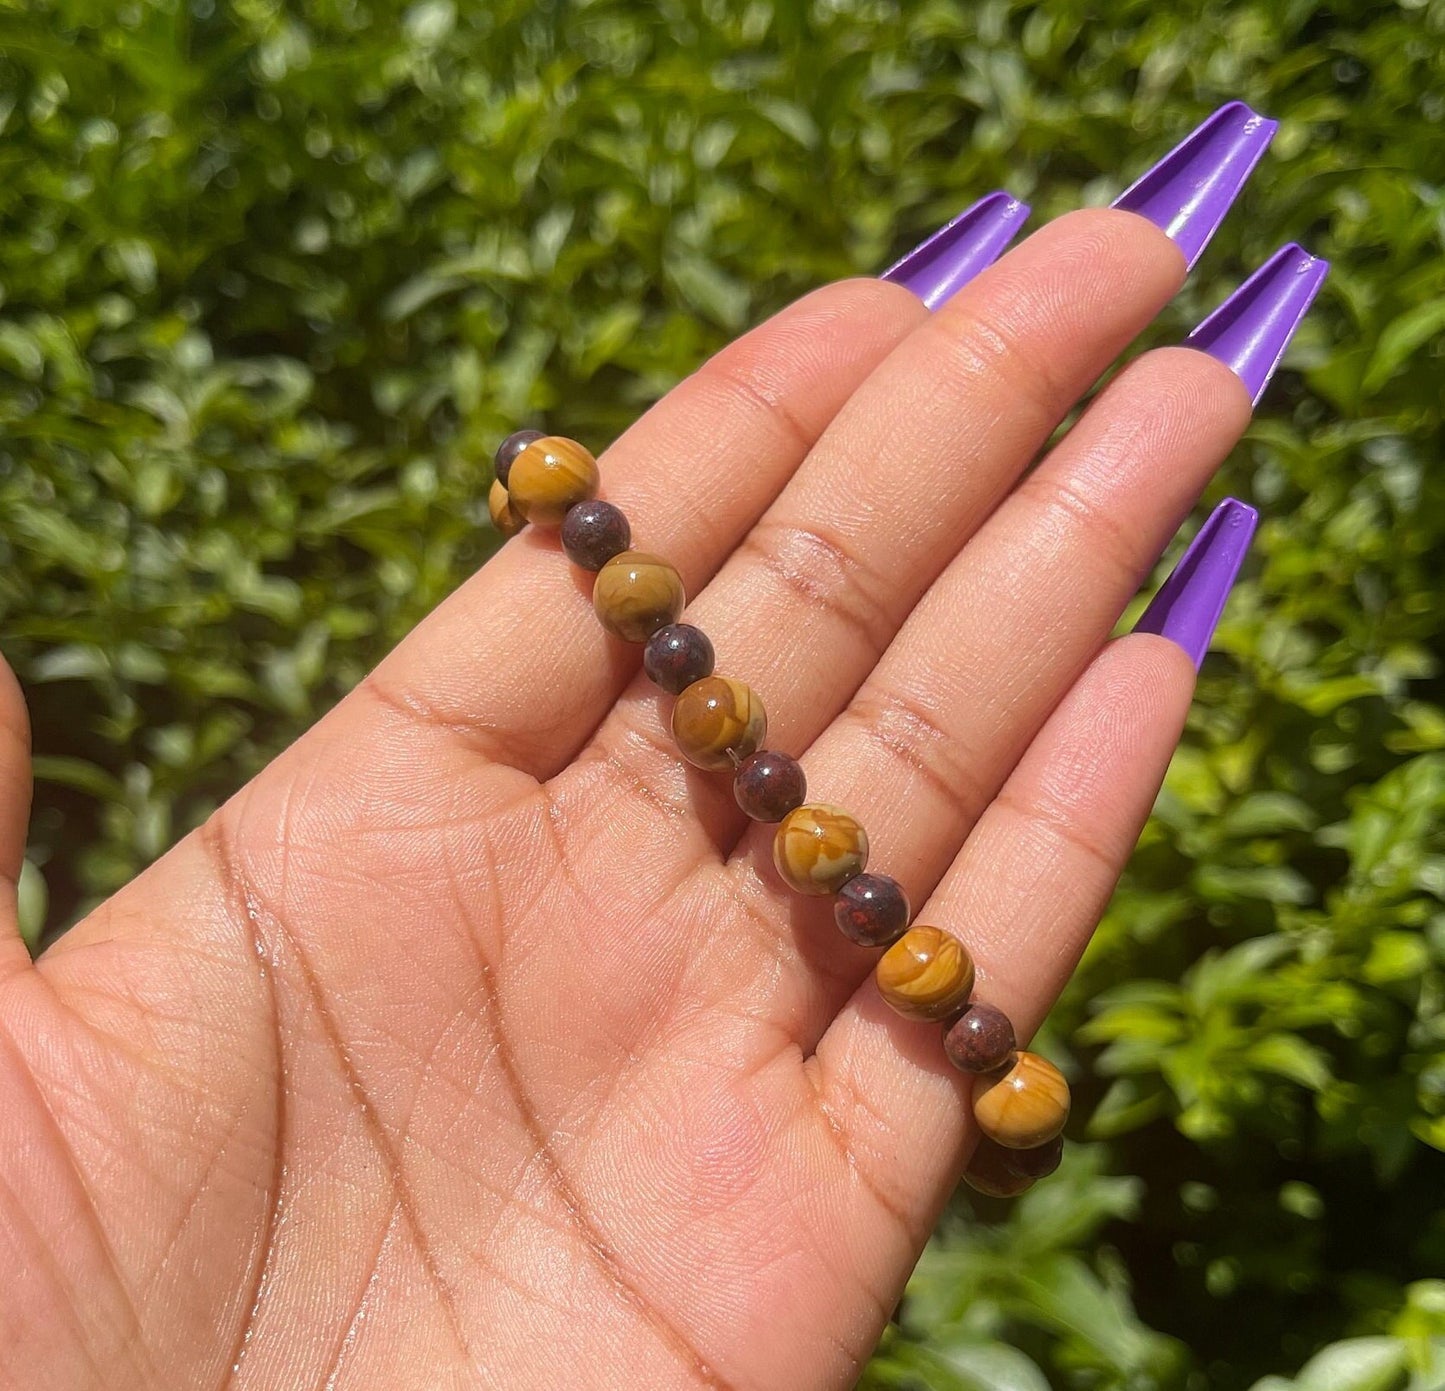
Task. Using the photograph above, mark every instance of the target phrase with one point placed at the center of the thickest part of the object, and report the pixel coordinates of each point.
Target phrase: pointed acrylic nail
(1249, 332)
(1187, 194)
(1189, 603)
(941, 266)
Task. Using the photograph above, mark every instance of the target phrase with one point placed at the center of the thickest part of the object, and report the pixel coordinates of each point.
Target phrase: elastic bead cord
(1020, 1099)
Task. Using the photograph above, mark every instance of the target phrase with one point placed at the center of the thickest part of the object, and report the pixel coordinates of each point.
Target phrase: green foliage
(274, 277)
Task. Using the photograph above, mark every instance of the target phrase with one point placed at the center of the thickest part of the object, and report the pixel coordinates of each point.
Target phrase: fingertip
(1110, 235)
(1089, 281)
(1150, 674)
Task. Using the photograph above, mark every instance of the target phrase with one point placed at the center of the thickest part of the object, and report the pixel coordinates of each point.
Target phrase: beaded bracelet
(1020, 1099)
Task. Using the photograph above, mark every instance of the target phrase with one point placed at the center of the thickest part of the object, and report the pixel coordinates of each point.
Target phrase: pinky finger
(14, 816)
(1028, 889)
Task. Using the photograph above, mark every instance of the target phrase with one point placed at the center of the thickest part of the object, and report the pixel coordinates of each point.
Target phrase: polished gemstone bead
(549, 476)
(504, 516)
(819, 848)
(508, 450)
(1038, 1162)
(718, 722)
(990, 1172)
(1023, 1106)
(769, 785)
(637, 593)
(926, 974)
(593, 532)
(872, 910)
(676, 656)
(980, 1040)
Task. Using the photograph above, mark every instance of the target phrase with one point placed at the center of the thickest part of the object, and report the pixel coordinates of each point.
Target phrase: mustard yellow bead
(818, 848)
(718, 722)
(926, 974)
(549, 476)
(635, 594)
(504, 517)
(1023, 1106)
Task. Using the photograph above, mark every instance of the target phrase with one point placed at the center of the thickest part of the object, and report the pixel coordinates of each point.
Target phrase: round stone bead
(990, 1172)
(593, 532)
(1025, 1105)
(676, 656)
(504, 518)
(926, 974)
(508, 450)
(550, 476)
(717, 722)
(769, 785)
(819, 848)
(1038, 1162)
(635, 594)
(872, 910)
(981, 1039)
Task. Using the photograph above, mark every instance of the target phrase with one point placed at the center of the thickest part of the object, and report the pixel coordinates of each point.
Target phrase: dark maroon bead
(593, 532)
(676, 656)
(872, 910)
(508, 450)
(1035, 1163)
(769, 785)
(981, 1039)
(989, 1172)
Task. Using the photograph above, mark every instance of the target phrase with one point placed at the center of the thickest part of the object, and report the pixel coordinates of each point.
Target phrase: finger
(908, 469)
(515, 662)
(995, 644)
(14, 815)
(1025, 895)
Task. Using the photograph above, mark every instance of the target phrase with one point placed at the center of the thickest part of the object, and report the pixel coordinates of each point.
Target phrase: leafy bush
(275, 276)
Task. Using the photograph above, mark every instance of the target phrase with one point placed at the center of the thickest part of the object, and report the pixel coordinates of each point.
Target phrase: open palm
(476, 1042)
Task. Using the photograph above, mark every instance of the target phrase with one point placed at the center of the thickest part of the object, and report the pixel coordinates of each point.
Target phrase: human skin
(476, 1043)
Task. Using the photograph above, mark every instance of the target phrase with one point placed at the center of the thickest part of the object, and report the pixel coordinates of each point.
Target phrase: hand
(476, 1042)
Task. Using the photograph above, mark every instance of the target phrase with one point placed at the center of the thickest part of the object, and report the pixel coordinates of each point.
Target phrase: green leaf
(606, 336)
(32, 901)
(1396, 956)
(709, 289)
(1268, 813)
(1290, 1056)
(983, 1366)
(79, 774)
(1128, 1104)
(1356, 1364)
(1400, 339)
(1270, 883)
(19, 352)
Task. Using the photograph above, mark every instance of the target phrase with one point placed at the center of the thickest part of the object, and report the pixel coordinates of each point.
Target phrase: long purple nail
(1187, 194)
(941, 266)
(1249, 332)
(1187, 607)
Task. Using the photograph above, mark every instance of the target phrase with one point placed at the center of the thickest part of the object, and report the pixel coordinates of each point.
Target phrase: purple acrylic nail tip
(1250, 331)
(1187, 194)
(938, 268)
(1187, 608)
